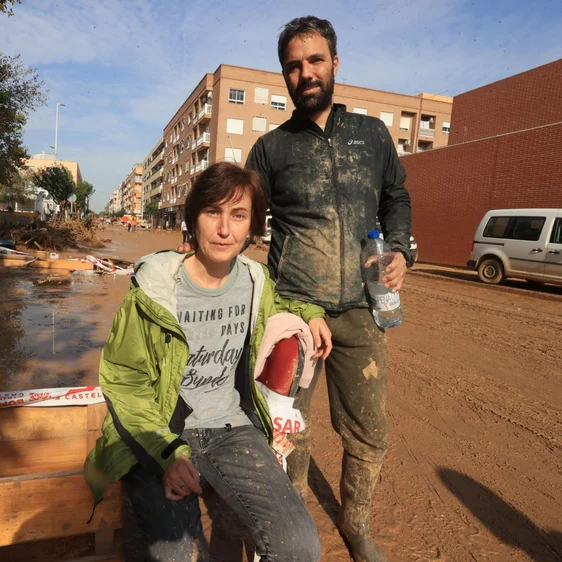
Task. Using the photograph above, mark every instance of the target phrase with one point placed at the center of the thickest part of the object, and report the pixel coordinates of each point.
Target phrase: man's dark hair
(224, 182)
(306, 25)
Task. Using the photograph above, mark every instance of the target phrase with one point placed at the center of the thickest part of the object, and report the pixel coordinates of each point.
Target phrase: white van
(522, 243)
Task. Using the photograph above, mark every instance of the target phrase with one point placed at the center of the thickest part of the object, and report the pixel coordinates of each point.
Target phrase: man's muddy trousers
(356, 376)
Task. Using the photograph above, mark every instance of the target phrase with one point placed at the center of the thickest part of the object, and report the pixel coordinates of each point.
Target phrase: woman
(182, 398)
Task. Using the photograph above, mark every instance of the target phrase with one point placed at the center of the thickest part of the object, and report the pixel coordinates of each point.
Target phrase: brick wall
(523, 101)
(452, 187)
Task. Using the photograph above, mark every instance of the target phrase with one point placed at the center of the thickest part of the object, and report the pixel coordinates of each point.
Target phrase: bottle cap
(372, 234)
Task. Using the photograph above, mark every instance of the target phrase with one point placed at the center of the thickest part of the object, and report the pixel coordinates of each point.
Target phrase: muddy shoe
(362, 548)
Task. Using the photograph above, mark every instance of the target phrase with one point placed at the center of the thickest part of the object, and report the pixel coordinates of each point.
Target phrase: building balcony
(200, 166)
(203, 141)
(192, 171)
(205, 113)
(425, 132)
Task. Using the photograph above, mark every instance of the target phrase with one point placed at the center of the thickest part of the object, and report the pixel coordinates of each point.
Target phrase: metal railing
(205, 110)
(427, 132)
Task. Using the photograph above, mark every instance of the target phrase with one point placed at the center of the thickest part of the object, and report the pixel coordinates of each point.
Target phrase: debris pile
(53, 236)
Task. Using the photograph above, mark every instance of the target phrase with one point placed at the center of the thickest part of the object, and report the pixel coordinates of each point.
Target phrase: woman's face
(222, 229)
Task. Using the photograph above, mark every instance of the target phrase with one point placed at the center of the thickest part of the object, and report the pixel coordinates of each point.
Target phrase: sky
(123, 67)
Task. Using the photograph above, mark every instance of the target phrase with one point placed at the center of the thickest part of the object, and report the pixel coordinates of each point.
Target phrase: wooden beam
(55, 506)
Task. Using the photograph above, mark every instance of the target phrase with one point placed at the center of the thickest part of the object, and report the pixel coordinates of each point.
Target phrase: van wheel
(490, 271)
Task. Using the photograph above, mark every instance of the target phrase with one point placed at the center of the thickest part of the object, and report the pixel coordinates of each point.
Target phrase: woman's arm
(129, 377)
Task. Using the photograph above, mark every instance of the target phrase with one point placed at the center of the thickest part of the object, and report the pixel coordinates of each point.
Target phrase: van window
(496, 227)
(556, 236)
(526, 228)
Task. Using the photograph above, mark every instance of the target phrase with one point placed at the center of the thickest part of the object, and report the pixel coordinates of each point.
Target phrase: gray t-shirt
(215, 322)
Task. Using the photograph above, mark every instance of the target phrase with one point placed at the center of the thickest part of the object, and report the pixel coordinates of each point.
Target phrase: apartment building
(153, 174)
(45, 160)
(229, 110)
(131, 192)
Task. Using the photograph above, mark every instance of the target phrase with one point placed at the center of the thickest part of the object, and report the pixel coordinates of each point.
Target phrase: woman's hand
(322, 337)
(181, 479)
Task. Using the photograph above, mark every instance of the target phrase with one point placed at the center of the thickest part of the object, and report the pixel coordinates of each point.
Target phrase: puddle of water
(52, 335)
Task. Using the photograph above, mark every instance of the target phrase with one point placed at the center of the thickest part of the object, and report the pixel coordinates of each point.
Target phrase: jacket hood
(156, 274)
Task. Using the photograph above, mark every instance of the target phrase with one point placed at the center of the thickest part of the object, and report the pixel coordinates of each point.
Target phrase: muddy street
(474, 472)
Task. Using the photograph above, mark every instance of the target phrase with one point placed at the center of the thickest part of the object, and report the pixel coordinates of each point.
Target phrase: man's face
(309, 73)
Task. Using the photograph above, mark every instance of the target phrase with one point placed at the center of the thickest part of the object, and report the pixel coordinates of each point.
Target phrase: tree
(5, 8)
(18, 189)
(57, 181)
(83, 192)
(151, 208)
(20, 94)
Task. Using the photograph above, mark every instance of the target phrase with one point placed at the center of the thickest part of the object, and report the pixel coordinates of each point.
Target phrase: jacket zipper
(340, 220)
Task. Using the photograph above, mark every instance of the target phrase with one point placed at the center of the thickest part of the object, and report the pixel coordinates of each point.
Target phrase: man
(184, 232)
(330, 173)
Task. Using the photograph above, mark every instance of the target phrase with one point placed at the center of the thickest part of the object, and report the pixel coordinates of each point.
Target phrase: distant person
(129, 226)
(167, 226)
(134, 224)
(184, 411)
(184, 231)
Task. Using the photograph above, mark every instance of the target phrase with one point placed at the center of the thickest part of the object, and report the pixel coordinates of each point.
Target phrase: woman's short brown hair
(224, 182)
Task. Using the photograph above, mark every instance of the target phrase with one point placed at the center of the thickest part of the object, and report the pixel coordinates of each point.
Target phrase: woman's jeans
(249, 489)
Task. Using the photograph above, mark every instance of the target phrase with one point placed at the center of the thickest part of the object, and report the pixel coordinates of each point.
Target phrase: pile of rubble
(53, 236)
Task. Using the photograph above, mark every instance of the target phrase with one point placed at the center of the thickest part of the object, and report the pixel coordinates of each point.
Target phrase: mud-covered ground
(475, 467)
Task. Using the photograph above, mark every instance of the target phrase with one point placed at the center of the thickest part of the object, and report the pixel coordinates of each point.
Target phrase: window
(278, 102)
(236, 96)
(259, 124)
(446, 127)
(360, 110)
(496, 227)
(556, 236)
(526, 228)
(273, 126)
(235, 126)
(233, 155)
(405, 123)
(261, 95)
(387, 118)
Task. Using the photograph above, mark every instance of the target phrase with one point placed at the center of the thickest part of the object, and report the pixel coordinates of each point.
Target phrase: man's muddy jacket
(326, 189)
(142, 365)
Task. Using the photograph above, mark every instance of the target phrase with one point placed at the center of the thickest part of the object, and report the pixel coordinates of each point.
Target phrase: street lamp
(57, 129)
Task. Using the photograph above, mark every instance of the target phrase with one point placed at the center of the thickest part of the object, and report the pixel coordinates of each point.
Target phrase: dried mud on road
(474, 472)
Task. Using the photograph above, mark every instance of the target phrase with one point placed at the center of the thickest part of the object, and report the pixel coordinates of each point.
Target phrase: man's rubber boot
(358, 481)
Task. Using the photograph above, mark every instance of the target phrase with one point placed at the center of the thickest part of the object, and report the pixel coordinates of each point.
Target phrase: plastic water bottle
(376, 255)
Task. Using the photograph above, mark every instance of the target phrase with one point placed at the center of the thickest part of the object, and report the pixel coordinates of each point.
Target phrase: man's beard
(314, 102)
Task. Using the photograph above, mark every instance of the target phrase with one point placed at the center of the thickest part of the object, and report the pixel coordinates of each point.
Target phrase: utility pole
(57, 129)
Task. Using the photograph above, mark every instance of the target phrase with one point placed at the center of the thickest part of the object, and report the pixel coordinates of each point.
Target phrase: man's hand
(181, 479)
(395, 272)
(322, 337)
(184, 247)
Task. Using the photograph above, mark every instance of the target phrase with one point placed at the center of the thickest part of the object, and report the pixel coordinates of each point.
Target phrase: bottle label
(386, 302)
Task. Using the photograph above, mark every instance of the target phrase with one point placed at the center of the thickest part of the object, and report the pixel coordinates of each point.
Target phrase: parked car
(413, 243)
(521, 243)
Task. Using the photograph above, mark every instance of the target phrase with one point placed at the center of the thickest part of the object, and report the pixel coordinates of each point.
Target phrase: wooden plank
(24, 423)
(59, 506)
(48, 265)
(95, 416)
(42, 456)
